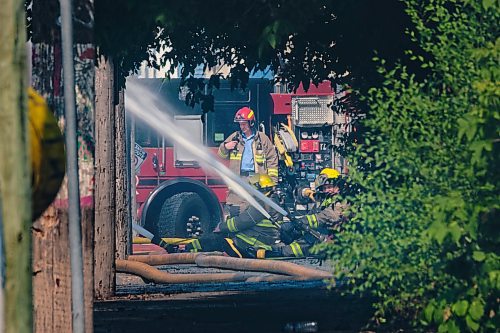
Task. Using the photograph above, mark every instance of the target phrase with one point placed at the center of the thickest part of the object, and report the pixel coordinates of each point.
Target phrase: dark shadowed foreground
(286, 306)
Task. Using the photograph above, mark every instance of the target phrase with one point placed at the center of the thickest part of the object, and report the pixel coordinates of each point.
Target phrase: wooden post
(132, 180)
(15, 190)
(105, 181)
(122, 209)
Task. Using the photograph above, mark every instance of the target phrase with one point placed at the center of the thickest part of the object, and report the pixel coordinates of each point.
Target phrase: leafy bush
(424, 237)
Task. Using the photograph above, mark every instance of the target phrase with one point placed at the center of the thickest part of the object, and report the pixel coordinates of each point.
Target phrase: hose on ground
(165, 259)
(153, 274)
(217, 261)
(150, 273)
(171, 258)
(256, 265)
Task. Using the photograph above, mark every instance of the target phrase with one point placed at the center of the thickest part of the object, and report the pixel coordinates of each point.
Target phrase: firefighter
(249, 152)
(247, 235)
(299, 235)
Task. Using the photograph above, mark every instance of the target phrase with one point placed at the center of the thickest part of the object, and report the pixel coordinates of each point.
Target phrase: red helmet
(244, 114)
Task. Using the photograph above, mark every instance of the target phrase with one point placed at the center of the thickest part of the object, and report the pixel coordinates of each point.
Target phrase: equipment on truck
(286, 142)
(318, 128)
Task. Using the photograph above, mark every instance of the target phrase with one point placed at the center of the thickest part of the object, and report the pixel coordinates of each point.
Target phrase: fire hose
(285, 142)
(140, 265)
(270, 266)
(152, 274)
(155, 275)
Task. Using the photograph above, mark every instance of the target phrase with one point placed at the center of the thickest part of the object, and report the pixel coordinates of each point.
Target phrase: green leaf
(443, 328)
(476, 310)
(460, 308)
(428, 311)
(455, 231)
(437, 316)
(488, 3)
(471, 323)
(494, 278)
(478, 256)
(452, 327)
(438, 231)
(477, 148)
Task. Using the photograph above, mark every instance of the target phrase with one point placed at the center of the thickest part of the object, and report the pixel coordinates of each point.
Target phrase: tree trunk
(122, 210)
(104, 263)
(51, 260)
(15, 191)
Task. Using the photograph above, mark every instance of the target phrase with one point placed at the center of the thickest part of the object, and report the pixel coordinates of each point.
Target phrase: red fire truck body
(152, 174)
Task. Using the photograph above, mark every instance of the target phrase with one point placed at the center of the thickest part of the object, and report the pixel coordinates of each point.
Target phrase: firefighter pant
(236, 246)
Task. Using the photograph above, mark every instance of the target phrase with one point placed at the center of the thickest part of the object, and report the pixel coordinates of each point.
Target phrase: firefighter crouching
(299, 235)
(249, 152)
(247, 235)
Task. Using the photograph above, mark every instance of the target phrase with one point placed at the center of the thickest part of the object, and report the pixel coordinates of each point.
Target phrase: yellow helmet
(261, 181)
(326, 176)
(48, 157)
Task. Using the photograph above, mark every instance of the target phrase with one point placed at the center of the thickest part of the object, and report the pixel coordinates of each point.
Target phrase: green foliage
(301, 41)
(424, 237)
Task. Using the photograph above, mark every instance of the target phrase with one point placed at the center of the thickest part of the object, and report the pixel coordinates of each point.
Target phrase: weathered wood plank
(51, 272)
(105, 181)
(122, 209)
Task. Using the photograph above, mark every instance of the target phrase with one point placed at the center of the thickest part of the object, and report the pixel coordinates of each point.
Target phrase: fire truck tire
(176, 212)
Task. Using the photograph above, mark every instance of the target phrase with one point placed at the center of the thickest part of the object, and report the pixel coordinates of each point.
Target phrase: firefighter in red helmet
(249, 152)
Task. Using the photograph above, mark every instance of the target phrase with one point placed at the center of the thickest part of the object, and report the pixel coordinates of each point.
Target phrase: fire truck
(176, 197)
